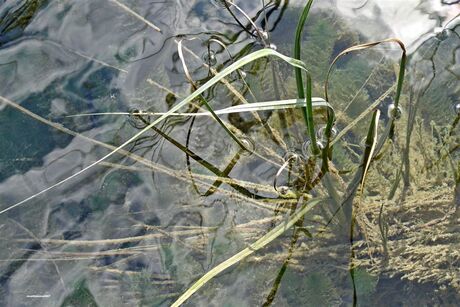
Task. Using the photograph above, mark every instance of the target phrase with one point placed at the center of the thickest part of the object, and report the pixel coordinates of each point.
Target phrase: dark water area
(144, 224)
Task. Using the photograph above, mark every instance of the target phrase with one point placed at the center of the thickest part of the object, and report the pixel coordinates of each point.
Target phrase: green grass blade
(297, 47)
(307, 111)
(252, 107)
(266, 239)
(241, 62)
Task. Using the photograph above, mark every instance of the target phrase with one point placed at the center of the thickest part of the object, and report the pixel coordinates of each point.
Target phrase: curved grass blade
(247, 88)
(399, 84)
(402, 65)
(150, 166)
(205, 102)
(358, 180)
(241, 62)
(266, 239)
(252, 107)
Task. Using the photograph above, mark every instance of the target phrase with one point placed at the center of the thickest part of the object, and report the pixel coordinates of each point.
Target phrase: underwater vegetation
(321, 169)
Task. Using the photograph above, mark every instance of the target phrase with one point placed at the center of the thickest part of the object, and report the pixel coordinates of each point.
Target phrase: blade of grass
(358, 180)
(152, 166)
(265, 124)
(240, 97)
(263, 241)
(204, 101)
(252, 107)
(241, 62)
(307, 111)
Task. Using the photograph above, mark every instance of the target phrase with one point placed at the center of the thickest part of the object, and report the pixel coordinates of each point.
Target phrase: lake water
(140, 227)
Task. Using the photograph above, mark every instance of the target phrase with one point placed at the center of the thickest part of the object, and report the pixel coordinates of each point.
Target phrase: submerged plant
(312, 175)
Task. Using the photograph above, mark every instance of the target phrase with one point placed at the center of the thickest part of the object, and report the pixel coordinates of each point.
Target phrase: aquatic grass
(204, 101)
(317, 103)
(301, 92)
(149, 164)
(370, 147)
(402, 64)
(399, 82)
(262, 242)
(242, 76)
(241, 62)
(240, 97)
(261, 106)
(307, 104)
(253, 107)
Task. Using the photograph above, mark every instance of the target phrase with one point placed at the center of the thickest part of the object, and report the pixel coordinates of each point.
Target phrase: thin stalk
(250, 21)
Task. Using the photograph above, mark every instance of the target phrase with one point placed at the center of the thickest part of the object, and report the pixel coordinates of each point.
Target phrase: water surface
(139, 229)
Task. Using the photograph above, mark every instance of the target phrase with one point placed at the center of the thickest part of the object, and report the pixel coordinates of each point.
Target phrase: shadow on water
(190, 193)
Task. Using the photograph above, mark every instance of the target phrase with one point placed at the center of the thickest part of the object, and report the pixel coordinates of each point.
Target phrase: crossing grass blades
(320, 151)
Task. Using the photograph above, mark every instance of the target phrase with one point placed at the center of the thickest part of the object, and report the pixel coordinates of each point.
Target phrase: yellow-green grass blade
(253, 107)
(241, 62)
(266, 239)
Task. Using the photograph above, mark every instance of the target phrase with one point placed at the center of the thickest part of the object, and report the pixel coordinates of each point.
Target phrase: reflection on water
(146, 223)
